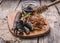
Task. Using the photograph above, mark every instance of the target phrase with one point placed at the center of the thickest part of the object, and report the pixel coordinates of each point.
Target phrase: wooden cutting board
(10, 21)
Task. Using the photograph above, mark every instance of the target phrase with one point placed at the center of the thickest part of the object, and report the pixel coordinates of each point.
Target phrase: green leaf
(26, 14)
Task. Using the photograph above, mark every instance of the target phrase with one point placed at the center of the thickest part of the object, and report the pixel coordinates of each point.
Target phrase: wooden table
(52, 15)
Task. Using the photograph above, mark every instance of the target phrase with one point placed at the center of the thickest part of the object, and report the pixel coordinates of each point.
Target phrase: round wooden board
(10, 21)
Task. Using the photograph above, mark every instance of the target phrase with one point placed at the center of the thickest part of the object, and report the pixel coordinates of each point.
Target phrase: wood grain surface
(52, 15)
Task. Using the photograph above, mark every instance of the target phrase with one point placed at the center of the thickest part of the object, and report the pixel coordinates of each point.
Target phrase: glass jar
(29, 5)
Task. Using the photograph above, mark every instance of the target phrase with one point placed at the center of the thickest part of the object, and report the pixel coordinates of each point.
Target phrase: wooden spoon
(43, 8)
(53, 3)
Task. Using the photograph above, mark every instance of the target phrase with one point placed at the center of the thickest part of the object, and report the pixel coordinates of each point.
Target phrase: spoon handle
(56, 2)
